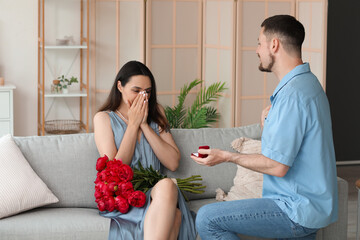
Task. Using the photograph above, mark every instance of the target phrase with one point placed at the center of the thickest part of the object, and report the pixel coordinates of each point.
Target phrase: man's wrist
(227, 156)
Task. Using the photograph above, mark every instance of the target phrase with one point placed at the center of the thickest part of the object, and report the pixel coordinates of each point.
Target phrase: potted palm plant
(199, 114)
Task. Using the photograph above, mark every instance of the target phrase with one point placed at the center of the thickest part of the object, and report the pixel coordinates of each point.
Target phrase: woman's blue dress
(130, 226)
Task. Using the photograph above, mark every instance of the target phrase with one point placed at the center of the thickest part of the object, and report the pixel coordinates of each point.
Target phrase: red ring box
(203, 155)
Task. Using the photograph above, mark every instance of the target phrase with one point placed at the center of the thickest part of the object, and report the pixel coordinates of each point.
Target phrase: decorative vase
(65, 90)
(56, 87)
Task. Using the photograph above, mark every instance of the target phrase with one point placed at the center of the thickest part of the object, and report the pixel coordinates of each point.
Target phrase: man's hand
(264, 114)
(215, 156)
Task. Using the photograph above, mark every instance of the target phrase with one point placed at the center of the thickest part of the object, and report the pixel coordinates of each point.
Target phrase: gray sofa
(66, 163)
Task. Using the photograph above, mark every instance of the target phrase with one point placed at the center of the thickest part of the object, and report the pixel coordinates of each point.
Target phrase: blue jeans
(252, 217)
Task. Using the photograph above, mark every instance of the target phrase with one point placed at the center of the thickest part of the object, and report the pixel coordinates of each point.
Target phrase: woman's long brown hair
(134, 68)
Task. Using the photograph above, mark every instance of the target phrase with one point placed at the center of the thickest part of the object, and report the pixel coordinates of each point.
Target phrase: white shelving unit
(73, 93)
(45, 97)
(6, 110)
(66, 47)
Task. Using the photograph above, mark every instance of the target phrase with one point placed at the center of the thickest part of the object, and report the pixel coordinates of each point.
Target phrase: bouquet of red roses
(113, 187)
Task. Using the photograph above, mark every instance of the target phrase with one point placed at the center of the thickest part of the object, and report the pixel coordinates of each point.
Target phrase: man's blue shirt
(297, 132)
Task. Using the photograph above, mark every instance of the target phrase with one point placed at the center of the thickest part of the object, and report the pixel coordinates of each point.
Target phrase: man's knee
(203, 218)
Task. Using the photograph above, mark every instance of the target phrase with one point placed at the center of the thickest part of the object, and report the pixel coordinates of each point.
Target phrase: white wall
(18, 60)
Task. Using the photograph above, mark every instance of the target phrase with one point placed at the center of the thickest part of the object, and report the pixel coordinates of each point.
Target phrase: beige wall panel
(211, 22)
(225, 69)
(304, 17)
(226, 23)
(161, 22)
(161, 67)
(252, 78)
(62, 108)
(65, 26)
(100, 100)
(225, 109)
(211, 66)
(187, 23)
(251, 111)
(316, 66)
(105, 45)
(275, 8)
(306, 57)
(186, 66)
(190, 98)
(130, 32)
(253, 14)
(271, 83)
(267, 103)
(317, 25)
(164, 100)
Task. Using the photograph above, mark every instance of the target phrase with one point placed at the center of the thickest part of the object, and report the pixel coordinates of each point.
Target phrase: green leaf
(199, 115)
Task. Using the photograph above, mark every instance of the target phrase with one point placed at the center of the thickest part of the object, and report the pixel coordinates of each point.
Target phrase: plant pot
(65, 90)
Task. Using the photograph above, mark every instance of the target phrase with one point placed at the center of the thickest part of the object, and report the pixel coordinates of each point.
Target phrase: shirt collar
(300, 69)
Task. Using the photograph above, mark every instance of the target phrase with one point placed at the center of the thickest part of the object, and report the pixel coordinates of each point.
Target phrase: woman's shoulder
(101, 117)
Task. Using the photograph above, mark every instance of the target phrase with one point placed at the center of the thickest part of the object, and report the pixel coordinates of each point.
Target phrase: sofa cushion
(219, 176)
(56, 224)
(20, 188)
(66, 163)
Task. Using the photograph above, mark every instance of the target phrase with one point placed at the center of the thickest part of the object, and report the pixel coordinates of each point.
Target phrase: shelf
(65, 47)
(72, 93)
(60, 53)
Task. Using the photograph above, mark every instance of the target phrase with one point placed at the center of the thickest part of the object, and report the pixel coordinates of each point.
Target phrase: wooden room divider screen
(213, 40)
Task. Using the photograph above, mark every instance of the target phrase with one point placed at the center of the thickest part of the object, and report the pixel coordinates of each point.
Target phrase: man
(297, 159)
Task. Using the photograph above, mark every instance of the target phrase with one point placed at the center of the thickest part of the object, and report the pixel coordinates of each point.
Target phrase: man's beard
(269, 67)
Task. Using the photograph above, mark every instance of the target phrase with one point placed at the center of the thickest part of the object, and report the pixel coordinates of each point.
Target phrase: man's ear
(274, 45)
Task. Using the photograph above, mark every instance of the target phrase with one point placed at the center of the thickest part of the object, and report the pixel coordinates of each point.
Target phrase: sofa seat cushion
(55, 223)
(195, 205)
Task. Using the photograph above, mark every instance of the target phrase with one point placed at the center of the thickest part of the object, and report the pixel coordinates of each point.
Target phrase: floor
(351, 173)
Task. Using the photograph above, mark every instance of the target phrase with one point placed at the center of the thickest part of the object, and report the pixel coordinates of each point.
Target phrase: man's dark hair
(290, 32)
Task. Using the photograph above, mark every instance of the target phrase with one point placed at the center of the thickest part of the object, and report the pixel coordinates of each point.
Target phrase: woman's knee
(165, 189)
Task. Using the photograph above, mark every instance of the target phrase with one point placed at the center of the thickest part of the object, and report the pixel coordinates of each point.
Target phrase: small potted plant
(65, 83)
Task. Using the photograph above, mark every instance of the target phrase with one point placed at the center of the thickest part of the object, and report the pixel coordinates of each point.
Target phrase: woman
(132, 126)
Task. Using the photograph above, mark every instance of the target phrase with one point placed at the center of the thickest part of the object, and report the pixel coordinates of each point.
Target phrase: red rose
(101, 163)
(126, 173)
(112, 186)
(98, 194)
(99, 186)
(125, 189)
(105, 175)
(109, 203)
(101, 205)
(103, 188)
(137, 199)
(114, 163)
(121, 204)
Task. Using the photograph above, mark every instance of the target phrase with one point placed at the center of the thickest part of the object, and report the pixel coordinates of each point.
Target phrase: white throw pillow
(247, 183)
(21, 188)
